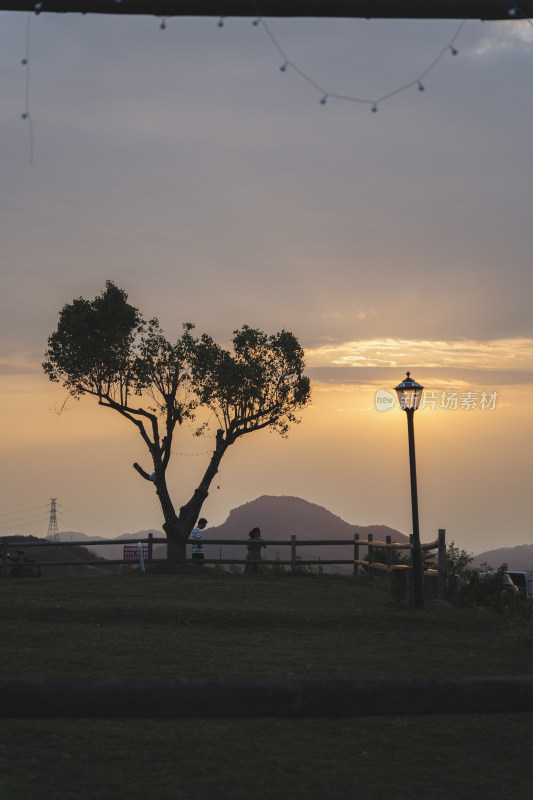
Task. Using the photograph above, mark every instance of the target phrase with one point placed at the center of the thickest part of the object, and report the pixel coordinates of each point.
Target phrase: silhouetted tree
(104, 347)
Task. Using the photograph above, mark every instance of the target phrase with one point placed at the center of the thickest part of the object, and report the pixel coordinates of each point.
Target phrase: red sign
(131, 552)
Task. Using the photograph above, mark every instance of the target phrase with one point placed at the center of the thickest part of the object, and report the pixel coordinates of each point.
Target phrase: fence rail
(49, 698)
(294, 562)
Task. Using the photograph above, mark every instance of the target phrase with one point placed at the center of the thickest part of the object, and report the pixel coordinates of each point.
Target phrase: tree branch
(141, 472)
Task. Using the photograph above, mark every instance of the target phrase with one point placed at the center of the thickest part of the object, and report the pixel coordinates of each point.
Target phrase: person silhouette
(197, 546)
(253, 559)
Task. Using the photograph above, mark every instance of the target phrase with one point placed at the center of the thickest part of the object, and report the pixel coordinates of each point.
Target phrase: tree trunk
(179, 528)
(176, 543)
(177, 534)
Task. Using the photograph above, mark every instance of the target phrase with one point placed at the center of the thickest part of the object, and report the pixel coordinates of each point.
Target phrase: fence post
(150, 547)
(410, 580)
(5, 571)
(370, 557)
(355, 555)
(441, 565)
(388, 540)
(293, 554)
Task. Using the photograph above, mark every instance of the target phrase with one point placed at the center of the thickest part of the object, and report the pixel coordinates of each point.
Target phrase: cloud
(505, 36)
(440, 365)
(502, 354)
(19, 363)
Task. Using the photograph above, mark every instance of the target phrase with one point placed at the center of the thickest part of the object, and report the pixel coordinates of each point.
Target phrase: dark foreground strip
(157, 699)
(437, 9)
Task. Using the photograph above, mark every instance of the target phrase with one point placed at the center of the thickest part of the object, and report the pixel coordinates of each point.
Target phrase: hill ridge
(280, 516)
(518, 557)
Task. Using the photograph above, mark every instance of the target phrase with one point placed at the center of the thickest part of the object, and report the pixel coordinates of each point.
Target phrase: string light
(326, 94)
(516, 10)
(26, 64)
(259, 21)
(192, 455)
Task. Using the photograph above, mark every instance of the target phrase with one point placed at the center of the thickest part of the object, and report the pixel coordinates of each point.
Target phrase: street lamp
(409, 394)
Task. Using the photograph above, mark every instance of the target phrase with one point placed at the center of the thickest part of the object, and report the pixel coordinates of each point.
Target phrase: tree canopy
(259, 385)
(105, 348)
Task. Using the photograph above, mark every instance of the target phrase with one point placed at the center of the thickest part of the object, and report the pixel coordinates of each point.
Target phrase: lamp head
(409, 393)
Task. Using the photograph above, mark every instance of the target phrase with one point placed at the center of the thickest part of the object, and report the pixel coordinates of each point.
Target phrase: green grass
(203, 624)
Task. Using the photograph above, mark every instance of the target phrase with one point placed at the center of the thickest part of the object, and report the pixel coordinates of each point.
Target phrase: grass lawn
(204, 624)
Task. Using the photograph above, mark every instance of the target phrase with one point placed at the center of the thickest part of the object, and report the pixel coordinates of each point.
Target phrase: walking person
(197, 546)
(253, 559)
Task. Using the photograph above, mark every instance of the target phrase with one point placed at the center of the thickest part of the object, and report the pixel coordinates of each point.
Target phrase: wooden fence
(294, 562)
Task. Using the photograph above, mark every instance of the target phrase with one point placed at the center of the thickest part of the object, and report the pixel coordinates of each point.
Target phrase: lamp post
(409, 394)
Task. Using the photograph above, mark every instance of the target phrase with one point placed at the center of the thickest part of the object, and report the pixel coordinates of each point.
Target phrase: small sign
(131, 552)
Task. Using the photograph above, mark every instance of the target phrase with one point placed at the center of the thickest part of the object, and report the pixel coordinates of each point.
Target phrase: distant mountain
(518, 558)
(281, 517)
(57, 561)
(110, 551)
(278, 518)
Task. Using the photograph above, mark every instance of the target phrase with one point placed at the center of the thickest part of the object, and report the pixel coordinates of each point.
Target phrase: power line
(33, 526)
(23, 511)
(19, 521)
(79, 518)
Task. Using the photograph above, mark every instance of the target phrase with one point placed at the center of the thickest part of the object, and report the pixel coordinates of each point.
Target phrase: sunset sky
(215, 188)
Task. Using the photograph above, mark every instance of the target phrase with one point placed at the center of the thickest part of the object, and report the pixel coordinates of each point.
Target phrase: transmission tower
(53, 530)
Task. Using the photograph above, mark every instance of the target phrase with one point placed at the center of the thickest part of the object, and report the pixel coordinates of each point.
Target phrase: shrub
(491, 591)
